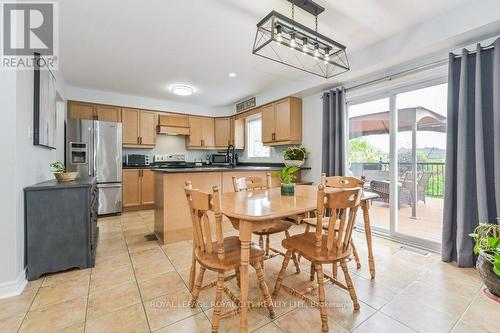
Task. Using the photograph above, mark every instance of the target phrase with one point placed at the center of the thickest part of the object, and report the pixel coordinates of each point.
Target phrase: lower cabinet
(138, 188)
(60, 226)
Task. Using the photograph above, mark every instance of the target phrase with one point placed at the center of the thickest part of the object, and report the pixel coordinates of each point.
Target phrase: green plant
(286, 174)
(58, 166)
(487, 243)
(295, 153)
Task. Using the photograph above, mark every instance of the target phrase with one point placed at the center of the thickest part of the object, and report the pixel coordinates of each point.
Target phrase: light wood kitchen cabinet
(90, 111)
(147, 187)
(202, 133)
(268, 123)
(147, 128)
(238, 132)
(282, 122)
(131, 183)
(78, 110)
(222, 132)
(130, 129)
(108, 113)
(138, 188)
(173, 124)
(139, 128)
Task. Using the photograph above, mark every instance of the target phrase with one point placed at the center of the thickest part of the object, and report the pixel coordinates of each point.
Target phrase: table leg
(245, 238)
(368, 233)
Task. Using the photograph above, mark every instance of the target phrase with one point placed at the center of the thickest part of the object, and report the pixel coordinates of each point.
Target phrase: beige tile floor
(139, 286)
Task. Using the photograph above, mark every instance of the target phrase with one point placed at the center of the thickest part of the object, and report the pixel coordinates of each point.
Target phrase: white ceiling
(141, 47)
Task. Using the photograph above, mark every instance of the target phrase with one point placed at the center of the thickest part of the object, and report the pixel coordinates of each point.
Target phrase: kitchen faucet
(231, 155)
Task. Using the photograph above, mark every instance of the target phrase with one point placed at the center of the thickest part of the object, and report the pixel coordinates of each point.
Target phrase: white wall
(24, 165)
(10, 265)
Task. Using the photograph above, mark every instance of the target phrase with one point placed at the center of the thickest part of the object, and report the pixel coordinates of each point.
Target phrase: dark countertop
(79, 182)
(244, 167)
(262, 166)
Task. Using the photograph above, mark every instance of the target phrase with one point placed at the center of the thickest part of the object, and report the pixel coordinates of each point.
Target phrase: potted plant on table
(60, 173)
(487, 245)
(287, 178)
(294, 156)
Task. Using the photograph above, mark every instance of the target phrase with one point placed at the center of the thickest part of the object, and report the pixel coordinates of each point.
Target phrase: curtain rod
(410, 71)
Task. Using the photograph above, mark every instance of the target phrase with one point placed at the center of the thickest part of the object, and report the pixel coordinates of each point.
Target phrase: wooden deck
(428, 224)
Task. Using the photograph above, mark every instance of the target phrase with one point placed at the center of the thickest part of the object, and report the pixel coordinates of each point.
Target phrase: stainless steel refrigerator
(94, 148)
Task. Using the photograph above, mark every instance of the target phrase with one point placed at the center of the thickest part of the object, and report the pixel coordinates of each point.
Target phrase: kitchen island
(172, 217)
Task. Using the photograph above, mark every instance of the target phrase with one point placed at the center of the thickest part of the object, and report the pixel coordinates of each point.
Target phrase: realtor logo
(28, 28)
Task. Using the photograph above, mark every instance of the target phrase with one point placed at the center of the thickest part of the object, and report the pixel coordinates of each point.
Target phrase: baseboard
(13, 288)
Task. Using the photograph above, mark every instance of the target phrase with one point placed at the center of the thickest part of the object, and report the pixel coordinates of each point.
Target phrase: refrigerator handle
(88, 149)
(94, 151)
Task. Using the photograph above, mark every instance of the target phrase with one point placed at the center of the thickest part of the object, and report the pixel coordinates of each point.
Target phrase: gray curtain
(334, 130)
(472, 193)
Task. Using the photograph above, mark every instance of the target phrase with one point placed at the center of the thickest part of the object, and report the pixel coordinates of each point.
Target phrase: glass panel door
(421, 150)
(368, 155)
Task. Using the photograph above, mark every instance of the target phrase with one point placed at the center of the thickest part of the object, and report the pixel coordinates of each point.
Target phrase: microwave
(137, 160)
(219, 159)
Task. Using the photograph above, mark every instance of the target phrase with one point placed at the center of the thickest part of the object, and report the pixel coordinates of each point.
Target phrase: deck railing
(435, 185)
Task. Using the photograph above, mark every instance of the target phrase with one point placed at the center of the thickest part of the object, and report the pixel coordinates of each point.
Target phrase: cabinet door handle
(138, 140)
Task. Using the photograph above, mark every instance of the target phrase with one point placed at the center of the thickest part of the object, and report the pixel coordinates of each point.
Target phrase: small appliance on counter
(172, 161)
(134, 160)
(219, 159)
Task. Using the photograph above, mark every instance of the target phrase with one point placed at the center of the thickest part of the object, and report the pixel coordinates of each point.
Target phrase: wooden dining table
(251, 211)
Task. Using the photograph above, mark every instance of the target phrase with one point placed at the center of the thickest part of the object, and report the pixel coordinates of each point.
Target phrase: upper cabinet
(282, 122)
(173, 124)
(202, 133)
(109, 113)
(222, 132)
(90, 111)
(139, 128)
(238, 132)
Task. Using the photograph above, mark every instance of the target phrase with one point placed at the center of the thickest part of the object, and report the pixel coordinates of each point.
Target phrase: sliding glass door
(369, 151)
(421, 150)
(397, 143)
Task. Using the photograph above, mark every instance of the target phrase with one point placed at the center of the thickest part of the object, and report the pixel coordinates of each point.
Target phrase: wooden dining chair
(259, 183)
(221, 255)
(321, 248)
(335, 182)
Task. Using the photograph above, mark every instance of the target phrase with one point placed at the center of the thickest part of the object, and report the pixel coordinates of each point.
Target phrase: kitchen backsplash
(171, 144)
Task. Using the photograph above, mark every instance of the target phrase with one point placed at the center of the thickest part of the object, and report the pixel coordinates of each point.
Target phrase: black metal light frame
(274, 28)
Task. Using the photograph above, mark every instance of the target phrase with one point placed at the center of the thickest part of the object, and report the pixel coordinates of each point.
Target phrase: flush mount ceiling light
(182, 90)
(232, 74)
(282, 39)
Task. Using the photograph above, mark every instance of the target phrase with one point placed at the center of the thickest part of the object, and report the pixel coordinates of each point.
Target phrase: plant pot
(297, 163)
(288, 189)
(490, 279)
(63, 177)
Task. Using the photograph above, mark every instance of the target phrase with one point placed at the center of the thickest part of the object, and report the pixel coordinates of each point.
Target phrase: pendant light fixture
(284, 40)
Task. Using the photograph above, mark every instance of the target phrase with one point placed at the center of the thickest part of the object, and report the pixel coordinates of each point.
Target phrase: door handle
(138, 141)
(90, 136)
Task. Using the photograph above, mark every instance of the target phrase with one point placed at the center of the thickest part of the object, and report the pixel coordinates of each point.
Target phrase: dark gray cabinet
(60, 226)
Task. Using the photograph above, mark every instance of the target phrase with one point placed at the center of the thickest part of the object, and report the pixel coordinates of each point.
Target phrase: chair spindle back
(251, 183)
(202, 207)
(341, 205)
(341, 181)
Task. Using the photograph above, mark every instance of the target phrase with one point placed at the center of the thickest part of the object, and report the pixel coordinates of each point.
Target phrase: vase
(288, 189)
(297, 163)
(490, 279)
(63, 177)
